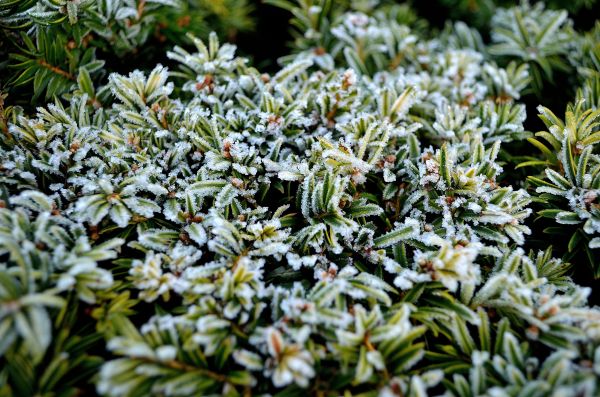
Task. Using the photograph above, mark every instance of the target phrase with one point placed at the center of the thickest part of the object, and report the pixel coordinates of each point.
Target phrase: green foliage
(480, 12)
(349, 224)
(49, 43)
(534, 35)
(569, 187)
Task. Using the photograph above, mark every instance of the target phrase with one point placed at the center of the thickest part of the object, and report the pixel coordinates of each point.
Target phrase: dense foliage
(46, 43)
(371, 219)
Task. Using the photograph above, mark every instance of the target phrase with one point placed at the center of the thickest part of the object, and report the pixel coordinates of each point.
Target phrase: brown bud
(226, 149)
(237, 182)
(197, 218)
(74, 146)
(185, 238)
(184, 21)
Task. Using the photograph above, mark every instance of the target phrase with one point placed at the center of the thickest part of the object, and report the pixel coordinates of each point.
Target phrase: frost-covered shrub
(48, 42)
(570, 185)
(339, 227)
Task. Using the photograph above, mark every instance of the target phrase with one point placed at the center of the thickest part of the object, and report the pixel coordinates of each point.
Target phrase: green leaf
(394, 237)
(445, 170)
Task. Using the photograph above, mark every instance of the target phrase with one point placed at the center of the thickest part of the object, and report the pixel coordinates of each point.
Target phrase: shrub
(350, 224)
(48, 42)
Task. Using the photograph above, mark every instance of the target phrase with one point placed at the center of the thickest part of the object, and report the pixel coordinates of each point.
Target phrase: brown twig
(56, 69)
